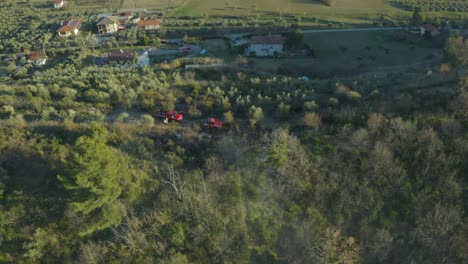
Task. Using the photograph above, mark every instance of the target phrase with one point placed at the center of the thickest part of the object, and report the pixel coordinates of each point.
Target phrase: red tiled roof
(144, 23)
(58, 1)
(69, 25)
(33, 56)
(109, 20)
(268, 39)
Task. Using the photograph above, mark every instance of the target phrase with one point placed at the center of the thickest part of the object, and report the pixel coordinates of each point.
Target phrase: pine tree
(96, 176)
(417, 17)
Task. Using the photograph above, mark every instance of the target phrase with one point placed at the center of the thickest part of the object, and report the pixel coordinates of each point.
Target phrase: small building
(69, 28)
(33, 57)
(58, 3)
(149, 24)
(135, 20)
(36, 58)
(263, 46)
(108, 25)
(429, 30)
(121, 57)
(41, 61)
(125, 16)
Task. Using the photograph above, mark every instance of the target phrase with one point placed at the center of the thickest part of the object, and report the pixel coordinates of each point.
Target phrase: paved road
(351, 29)
(173, 52)
(234, 36)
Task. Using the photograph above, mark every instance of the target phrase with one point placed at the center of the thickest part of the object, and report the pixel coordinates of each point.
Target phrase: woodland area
(305, 173)
(367, 168)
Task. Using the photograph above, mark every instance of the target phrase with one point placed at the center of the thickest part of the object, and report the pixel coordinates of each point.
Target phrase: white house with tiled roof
(108, 25)
(263, 46)
(149, 24)
(58, 3)
(69, 28)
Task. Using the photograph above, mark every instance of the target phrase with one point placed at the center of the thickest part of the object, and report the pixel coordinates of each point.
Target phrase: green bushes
(432, 5)
(370, 169)
(243, 193)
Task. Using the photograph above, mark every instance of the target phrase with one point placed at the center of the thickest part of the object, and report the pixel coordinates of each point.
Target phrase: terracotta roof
(153, 22)
(109, 21)
(33, 56)
(268, 39)
(69, 25)
(121, 55)
(430, 27)
(58, 1)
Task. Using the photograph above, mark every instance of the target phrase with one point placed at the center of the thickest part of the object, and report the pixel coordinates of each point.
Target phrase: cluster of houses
(271, 45)
(108, 23)
(116, 22)
(261, 46)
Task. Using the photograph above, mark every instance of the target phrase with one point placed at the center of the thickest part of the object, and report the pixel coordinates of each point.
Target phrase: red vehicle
(213, 123)
(185, 49)
(171, 115)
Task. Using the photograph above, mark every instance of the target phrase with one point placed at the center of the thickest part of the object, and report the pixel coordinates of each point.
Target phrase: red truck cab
(185, 49)
(171, 115)
(213, 123)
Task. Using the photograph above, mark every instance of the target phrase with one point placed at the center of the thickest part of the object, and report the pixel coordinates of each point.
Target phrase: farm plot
(342, 53)
(150, 4)
(432, 5)
(88, 4)
(258, 7)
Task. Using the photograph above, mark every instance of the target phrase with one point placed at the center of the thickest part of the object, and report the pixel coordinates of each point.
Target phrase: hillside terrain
(233, 132)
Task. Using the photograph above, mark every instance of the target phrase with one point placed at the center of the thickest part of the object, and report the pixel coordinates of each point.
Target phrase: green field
(348, 12)
(344, 8)
(150, 4)
(117, 4)
(300, 7)
(350, 52)
(376, 48)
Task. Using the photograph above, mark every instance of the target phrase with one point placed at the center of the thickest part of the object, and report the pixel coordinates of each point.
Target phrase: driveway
(171, 52)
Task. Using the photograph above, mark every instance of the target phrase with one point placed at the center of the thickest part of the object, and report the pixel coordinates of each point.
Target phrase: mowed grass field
(352, 52)
(300, 7)
(151, 4)
(83, 4)
(118, 4)
(350, 12)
